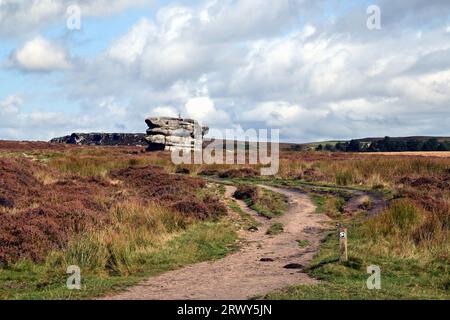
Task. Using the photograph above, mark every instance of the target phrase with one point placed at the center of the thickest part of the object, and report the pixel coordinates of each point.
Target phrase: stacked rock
(173, 133)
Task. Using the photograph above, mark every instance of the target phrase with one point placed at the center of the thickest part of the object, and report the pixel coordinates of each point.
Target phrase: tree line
(387, 145)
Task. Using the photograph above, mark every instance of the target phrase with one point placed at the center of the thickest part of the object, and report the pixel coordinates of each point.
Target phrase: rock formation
(173, 133)
(104, 139)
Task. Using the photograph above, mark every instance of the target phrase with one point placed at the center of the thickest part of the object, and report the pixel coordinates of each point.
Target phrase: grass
(267, 203)
(199, 242)
(319, 201)
(409, 241)
(275, 229)
(411, 268)
(247, 222)
(332, 205)
(303, 243)
(87, 166)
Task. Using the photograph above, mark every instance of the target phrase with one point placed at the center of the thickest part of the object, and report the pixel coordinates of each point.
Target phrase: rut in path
(243, 275)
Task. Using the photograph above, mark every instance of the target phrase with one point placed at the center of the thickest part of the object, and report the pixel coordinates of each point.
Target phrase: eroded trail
(256, 269)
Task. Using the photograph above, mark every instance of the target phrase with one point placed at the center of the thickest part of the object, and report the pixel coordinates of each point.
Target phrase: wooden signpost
(343, 244)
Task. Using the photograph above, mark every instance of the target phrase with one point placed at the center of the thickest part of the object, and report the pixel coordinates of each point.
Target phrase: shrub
(182, 170)
(239, 173)
(245, 192)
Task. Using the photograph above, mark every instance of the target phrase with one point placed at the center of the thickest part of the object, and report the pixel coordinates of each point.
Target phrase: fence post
(343, 244)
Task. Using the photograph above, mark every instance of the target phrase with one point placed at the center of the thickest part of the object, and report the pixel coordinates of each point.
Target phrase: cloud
(165, 111)
(19, 18)
(278, 77)
(204, 110)
(130, 46)
(10, 106)
(310, 67)
(40, 55)
(15, 123)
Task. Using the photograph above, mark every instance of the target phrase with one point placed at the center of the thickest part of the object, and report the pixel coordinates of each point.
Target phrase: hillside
(386, 144)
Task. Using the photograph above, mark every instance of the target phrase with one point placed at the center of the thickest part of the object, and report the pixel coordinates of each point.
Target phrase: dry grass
(441, 154)
(136, 230)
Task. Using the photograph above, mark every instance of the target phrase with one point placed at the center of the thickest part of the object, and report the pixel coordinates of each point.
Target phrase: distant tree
(354, 146)
(442, 147)
(319, 147)
(341, 146)
(447, 145)
(399, 145)
(414, 145)
(430, 145)
(385, 145)
(330, 147)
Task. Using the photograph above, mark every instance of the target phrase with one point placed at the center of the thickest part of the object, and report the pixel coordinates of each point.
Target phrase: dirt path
(244, 275)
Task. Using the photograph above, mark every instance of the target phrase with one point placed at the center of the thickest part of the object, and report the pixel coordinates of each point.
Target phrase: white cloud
(15, 123)
(204, 110)
(40, 54)
(18, 17)
(129, 47)
(282, 114)
(10, 105)
(279, 63)
(107, 7)
(111, 107)
(165, 111)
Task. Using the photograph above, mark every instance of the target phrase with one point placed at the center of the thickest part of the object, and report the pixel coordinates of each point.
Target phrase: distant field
(441, 154)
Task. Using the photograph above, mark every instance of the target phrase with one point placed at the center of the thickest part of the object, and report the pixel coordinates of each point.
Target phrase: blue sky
(311, 68)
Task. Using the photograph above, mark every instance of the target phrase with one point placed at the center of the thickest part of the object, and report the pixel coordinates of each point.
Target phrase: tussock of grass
(270, 204)
(247, 220)
(344, 178)
(267, 203)
(400, 219)
(303, 243)
(333, 206)
(275, 229)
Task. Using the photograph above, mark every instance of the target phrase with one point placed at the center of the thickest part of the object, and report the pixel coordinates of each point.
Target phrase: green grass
(275, 229)
(303, 243)
(319, 201)
(265, 202)
(200, 242)
(408, 271)
(269, 204)
(331, 205)
(247, 220)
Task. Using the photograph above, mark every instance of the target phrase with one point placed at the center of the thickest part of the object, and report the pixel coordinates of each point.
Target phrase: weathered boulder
(173, 133)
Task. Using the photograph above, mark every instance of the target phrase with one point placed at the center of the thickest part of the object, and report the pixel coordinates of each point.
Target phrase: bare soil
(264, 263)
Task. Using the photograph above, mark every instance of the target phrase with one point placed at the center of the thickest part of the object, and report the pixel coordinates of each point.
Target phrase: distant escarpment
(103, 139)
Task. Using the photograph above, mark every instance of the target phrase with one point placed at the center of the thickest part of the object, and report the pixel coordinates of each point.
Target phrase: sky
(311, 68)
